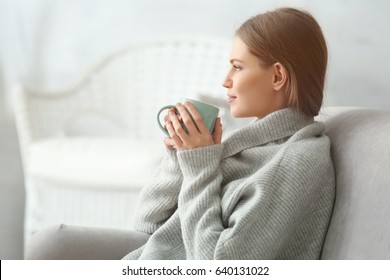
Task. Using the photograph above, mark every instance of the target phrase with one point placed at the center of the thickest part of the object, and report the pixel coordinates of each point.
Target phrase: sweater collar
(277, 125)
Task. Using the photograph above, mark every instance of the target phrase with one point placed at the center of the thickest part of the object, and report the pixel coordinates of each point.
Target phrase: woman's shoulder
(306, 149)
(310, 138)
(307, 152)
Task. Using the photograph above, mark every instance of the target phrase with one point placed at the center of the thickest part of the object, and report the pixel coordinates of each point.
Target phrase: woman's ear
(280, 76)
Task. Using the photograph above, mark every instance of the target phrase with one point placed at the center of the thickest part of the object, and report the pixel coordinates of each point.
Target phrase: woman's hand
(168, 142)
(198, 134)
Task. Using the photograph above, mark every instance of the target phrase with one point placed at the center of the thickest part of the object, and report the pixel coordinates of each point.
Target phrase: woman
(267, 190)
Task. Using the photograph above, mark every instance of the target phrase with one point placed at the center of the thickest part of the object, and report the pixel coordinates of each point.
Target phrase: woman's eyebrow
(235, 59)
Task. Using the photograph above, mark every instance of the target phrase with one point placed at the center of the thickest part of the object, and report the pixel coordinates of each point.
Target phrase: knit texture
(266, 192)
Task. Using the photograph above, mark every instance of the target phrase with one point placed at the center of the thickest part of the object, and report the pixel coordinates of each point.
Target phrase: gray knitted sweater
(266, 192)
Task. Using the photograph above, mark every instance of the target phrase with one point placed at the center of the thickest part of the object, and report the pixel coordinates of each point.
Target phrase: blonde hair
(293, 38)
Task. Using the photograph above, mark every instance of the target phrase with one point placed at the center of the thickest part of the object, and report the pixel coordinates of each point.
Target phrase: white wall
(49, 43)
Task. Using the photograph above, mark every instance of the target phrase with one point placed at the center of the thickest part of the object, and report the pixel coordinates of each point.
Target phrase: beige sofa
(360, 226)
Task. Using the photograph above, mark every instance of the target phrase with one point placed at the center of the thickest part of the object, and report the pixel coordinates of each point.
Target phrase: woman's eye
(237, 67)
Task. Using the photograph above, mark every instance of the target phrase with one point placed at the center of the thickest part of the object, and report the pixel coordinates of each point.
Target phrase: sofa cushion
(360, 226)
(110, 163)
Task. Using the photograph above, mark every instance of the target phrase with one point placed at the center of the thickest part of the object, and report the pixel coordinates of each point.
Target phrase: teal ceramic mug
(208, 112)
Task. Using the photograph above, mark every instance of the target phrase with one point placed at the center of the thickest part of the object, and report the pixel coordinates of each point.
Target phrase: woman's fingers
(189, 116)
(175, 129)
(167, 118)
(169, 143)
(187, 119)
(189, 131)
(196, 120)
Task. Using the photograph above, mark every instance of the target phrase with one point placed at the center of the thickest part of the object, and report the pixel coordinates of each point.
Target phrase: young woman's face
(251, 86)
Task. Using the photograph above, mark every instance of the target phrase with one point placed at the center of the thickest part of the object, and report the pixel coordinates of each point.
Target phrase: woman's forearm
(158, 199)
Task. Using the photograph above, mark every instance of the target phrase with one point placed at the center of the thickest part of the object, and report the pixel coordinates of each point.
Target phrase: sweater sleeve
(200, 200)
(284, 207)
(158, 199)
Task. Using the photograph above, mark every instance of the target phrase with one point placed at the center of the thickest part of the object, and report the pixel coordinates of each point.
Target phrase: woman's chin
(236, 113)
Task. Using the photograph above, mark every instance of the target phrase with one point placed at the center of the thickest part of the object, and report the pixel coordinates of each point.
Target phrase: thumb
(217, 133)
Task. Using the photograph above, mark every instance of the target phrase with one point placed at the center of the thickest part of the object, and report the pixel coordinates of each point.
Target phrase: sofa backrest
(360, 225)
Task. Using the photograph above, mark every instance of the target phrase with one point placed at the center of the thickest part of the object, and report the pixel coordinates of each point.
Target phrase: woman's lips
(231, 98)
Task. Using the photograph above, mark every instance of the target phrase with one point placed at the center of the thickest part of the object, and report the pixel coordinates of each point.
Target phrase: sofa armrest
(65, 242)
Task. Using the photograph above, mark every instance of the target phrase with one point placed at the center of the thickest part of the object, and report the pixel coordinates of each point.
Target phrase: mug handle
(158, 117)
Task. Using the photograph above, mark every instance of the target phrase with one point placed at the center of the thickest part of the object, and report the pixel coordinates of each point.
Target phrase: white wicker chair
(88, 150)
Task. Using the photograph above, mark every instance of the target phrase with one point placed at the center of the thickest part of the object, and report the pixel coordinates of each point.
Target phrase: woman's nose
(228, 82)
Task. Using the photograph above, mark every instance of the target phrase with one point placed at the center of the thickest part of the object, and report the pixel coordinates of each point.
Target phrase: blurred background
(49, 45)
